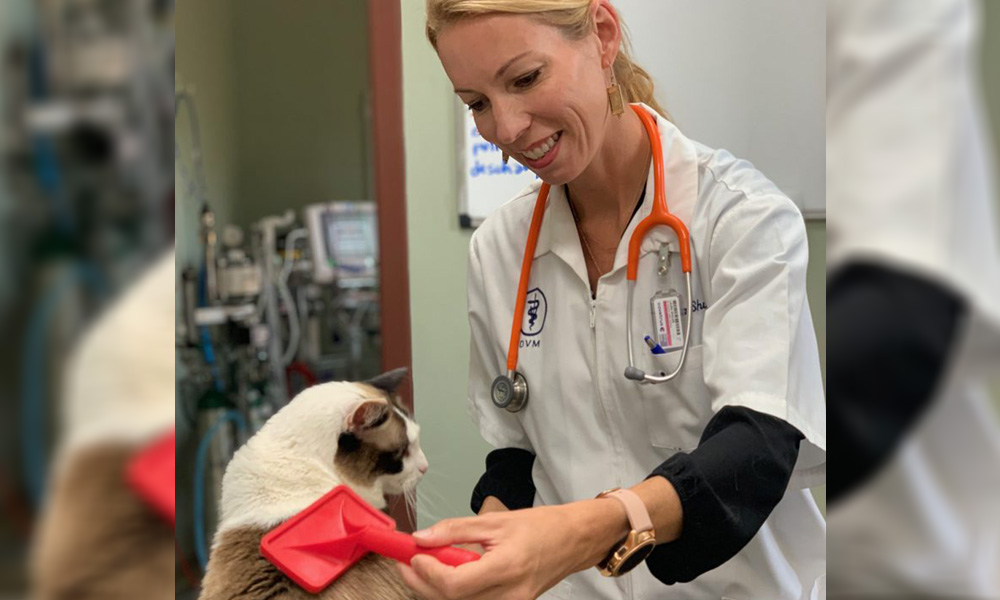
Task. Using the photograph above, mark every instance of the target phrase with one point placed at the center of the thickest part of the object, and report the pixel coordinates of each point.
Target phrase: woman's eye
(527, 80)
(477, 106)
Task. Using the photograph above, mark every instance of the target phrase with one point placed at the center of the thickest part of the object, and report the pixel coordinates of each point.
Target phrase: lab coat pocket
(678, 410)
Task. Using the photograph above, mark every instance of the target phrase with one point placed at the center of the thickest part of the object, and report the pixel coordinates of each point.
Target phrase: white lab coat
(753, 345)
(909, 187)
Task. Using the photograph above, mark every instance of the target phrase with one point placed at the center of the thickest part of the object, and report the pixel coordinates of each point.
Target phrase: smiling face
(534, 93)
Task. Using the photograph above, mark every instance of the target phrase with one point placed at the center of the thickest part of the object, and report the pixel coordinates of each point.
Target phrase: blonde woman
(713, 465)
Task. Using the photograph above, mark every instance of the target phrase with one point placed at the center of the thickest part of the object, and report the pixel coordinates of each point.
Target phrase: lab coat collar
(680, 164)
(559, 235)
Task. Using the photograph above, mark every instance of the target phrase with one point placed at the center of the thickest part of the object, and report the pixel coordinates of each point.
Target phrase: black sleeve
(889, 337)
(507, 478)
(727, 486)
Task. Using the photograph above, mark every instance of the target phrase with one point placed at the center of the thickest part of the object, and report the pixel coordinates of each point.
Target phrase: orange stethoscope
(510, 390)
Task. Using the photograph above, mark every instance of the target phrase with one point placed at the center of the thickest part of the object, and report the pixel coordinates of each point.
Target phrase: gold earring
(505, 157)
(615, 98)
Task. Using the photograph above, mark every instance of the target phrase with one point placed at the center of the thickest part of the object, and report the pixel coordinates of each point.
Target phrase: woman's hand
(527, 551)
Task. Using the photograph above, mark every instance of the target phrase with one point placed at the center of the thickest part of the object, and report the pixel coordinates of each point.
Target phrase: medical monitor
(344, 241)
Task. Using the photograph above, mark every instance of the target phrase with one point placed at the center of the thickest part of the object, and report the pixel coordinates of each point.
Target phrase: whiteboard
(485, 182)
(748, 77)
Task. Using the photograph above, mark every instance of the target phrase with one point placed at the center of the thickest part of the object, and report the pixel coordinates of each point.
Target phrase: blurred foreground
(86, 295)
(913, 303)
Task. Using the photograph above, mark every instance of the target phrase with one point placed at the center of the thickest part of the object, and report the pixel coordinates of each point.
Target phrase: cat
(95, 538)
(356, 434)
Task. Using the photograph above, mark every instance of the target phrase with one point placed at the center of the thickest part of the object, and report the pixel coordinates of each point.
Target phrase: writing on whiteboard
(486, 158)
(486, 183)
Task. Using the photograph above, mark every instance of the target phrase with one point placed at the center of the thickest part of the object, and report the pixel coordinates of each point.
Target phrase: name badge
(666, 307)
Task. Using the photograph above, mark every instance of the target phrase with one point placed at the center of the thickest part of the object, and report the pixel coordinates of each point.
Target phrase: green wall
(991, 58)
(301, 80)
(204, 65)
(816, 283)
(281, 89)
(438, 250)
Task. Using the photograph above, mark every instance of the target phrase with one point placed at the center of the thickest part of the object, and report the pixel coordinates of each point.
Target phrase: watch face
(637, 556)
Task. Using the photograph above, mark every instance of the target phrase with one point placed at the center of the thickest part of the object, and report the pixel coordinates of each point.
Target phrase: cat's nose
(422, 469)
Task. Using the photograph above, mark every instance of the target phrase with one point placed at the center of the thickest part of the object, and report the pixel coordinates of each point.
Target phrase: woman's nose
(511, 122)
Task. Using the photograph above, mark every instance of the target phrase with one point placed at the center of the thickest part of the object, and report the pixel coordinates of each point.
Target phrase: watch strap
(635, 509)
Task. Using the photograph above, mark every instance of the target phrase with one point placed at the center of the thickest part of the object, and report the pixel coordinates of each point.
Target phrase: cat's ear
(389, 382)
(368, 415)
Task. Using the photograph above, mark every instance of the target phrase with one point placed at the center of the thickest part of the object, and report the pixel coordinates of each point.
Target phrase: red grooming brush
(319, 544)
(150, 473)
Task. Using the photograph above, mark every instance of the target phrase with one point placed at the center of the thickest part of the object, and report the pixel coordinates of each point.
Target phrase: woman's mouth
(544, 153)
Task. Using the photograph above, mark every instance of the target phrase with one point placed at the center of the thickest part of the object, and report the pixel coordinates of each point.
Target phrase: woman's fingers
(438, 577)
(467, 581)
(524, 550)
(455, 531)
(415, 583)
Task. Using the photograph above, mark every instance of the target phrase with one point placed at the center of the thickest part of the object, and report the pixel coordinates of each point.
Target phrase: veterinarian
(709, 433)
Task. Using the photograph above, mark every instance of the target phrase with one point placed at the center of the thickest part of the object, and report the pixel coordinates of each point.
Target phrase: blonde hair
(571, 17)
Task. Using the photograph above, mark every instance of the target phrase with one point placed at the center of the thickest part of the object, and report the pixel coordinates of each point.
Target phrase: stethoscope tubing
(512, 387)
(522, 285)
(639, 375)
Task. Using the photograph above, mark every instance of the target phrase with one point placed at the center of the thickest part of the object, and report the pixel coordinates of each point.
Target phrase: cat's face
(330, 434)
(380, 443)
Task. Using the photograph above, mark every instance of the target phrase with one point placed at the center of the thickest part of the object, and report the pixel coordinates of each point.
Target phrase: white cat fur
(289, 463)
(119, 384)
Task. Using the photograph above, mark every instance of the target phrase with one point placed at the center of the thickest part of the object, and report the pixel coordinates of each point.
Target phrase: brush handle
(450, 555)
(402, 547)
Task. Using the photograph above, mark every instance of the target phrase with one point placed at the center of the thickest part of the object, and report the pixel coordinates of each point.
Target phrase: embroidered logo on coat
(536, 309)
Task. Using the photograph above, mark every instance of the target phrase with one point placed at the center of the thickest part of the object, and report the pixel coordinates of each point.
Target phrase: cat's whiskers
(426, 498)
(411, 500)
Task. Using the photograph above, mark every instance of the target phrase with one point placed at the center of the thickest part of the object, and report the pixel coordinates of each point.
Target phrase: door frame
(385, 56)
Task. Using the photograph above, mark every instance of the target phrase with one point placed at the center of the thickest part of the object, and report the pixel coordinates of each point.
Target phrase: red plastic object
(150, 474)
(302, 369)
(319, 544)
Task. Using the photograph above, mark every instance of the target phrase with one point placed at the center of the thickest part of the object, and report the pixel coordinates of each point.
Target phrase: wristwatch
(638, 544)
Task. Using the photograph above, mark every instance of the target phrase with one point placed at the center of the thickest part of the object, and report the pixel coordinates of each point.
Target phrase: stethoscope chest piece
(510, 393)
